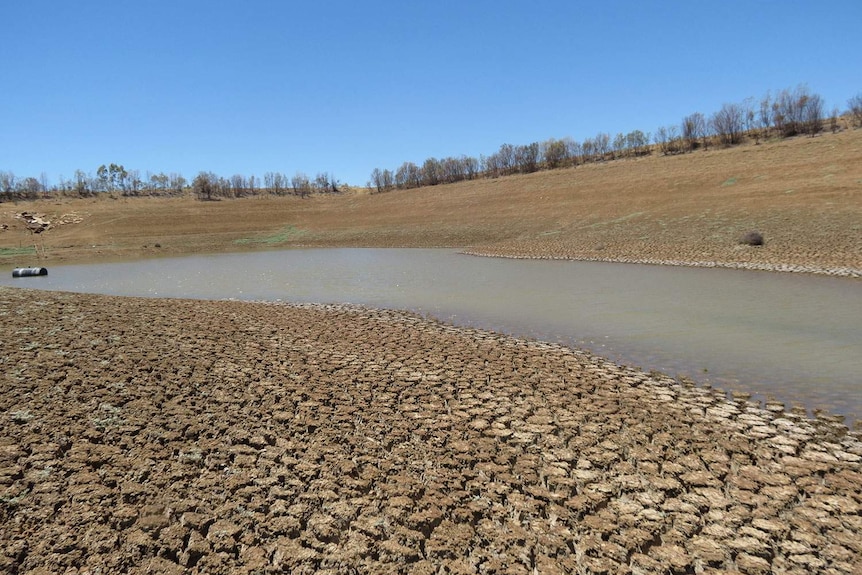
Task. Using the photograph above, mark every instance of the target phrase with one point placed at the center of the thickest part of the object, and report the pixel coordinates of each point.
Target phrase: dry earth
(150, 436)
(170, 436)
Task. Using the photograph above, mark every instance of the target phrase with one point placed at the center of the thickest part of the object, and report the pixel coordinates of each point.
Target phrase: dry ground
(159, 436)
(804, 195)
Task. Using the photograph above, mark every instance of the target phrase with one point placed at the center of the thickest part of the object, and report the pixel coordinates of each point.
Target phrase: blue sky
(347, 86)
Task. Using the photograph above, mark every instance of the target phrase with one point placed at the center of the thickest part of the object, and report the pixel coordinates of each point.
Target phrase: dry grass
(804, 195)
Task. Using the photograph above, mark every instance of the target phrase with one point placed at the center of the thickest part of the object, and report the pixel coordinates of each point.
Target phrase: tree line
(116, 179)
(789, 112)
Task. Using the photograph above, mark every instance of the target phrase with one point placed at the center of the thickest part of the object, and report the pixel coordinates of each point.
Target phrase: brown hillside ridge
(804, 195)
(176, 436)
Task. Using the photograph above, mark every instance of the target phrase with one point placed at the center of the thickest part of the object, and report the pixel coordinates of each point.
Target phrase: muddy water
(793, 337)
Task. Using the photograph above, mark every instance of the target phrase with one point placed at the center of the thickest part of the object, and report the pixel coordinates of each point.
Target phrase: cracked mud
(179, 436)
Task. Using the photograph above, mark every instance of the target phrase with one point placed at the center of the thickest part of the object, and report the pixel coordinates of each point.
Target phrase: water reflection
(789, 336)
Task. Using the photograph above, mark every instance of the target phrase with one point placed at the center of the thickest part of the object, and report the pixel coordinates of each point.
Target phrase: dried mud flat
(169, 436)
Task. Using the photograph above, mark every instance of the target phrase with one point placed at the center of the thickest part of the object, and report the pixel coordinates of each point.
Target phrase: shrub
(752, 238)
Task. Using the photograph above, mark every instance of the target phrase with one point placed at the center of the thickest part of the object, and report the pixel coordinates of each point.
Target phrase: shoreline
(226, 436)
(843, 271)
(847, 271)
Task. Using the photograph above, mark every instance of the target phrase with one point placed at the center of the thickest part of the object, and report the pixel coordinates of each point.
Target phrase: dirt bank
(178, 436)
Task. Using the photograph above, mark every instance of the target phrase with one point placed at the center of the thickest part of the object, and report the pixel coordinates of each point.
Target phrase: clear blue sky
(346, 86)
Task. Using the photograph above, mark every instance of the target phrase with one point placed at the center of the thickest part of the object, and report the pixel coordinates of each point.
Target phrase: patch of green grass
(12, 252)
(618, 220)
(284, 235)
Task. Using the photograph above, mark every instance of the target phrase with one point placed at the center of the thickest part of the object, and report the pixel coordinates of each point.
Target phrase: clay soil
(159, 436)
(172, 436)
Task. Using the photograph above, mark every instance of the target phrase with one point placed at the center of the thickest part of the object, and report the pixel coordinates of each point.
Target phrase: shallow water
(793, 337)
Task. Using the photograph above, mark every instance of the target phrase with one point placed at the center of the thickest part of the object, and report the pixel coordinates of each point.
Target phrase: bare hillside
(804, 195)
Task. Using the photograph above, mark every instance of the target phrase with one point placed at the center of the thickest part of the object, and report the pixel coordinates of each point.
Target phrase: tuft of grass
(12, 252)
(284, 235)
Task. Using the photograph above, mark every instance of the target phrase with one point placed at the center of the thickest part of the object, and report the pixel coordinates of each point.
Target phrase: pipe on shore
(28, 272)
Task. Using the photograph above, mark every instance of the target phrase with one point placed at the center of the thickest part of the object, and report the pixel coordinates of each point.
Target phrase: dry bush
(752, 238)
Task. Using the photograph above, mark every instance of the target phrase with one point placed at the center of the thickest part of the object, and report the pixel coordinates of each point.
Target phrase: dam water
(796, 338)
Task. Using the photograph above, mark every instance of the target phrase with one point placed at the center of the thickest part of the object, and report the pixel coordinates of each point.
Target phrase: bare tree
(661, 139)
(177, 183)
(325, 182)
(854, 105)
(7, 182)
(302, 186)
(471, 166)
(574, 150)
(765, 116)
(134, 183)
(268, 181)
(431, 172)
(798, 112)
(205, 186)
(279, 183)
(750, 119)
(618, 145)
(693, 130)
(388, 180)
(237, 183)
(451, 170)
(728, 124)
(527, 158)
(43, 181)
(376, 179)
(674, 143)
(834, 126)
(158, 181)
(408, 176)
(491, 166)
(83, 184)
(29, 187)
(812, 115)
(506, 159)
(602, 143)
(637, 143)
(382, 180)
(554, 153)
(588, 150)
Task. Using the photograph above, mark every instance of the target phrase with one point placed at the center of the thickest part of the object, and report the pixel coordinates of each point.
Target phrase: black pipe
(27, 272)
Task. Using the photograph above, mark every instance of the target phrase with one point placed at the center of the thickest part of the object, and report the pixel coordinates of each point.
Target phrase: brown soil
(170, 436)
(804, 195)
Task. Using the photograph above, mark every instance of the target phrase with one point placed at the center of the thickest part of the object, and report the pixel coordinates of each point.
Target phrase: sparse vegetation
(15, 252)
(285, 235)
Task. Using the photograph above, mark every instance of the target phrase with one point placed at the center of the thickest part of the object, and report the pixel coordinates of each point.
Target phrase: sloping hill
(804, 195)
